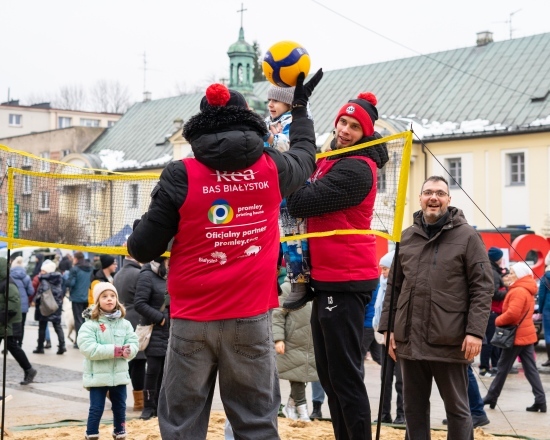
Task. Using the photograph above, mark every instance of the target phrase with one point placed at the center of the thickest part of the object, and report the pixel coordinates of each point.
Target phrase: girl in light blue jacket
(108, 342)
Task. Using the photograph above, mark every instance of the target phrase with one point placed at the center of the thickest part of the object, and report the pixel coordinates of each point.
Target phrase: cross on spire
(241, 11)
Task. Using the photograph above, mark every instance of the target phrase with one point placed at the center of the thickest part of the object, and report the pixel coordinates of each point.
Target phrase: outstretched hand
(302, 92)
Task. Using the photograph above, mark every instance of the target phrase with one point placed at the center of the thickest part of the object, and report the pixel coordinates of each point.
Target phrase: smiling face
(277, 108)
(435, 205)
(348, 132)
(107, 301)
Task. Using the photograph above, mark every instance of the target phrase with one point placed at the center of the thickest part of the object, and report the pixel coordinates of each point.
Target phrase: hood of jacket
(378, 153)
(18, 273)
(84, 265)
(226, 138)
(54, 278)
(528, 283)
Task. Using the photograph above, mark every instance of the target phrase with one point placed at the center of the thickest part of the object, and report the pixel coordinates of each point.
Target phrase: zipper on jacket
(435, 253)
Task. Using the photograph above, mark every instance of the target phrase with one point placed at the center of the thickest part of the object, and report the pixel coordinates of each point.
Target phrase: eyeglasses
(439, 194)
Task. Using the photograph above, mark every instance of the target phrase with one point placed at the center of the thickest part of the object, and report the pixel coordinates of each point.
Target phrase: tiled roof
(500, 86)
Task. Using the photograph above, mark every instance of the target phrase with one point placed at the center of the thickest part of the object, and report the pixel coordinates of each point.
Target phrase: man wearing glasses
(443, 287)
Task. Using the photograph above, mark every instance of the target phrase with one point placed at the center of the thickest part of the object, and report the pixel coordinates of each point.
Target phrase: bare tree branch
(110, 97)
(71, 97)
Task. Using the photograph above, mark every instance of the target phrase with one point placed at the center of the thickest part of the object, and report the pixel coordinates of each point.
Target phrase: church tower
(241, 70)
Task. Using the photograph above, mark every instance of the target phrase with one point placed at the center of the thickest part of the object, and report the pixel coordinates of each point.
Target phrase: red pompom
(368, 96)
(217, 95)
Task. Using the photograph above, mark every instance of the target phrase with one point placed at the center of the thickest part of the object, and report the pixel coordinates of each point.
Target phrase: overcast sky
(48, 44)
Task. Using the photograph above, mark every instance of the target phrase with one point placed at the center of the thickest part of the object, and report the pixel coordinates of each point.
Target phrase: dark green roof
(502, 86)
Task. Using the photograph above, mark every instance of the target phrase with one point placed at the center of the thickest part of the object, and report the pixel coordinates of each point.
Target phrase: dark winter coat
(224, 139)
(14, 302)
(149, 298)
(24, 284)
(125, 282)
(54, 281)
(443, 290)
(79, 281)
(499, 291)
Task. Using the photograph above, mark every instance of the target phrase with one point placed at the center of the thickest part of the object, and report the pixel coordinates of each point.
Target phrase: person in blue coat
(26, 291)
(544, 306)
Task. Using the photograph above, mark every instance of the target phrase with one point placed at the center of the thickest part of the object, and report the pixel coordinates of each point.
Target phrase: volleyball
(284, 61)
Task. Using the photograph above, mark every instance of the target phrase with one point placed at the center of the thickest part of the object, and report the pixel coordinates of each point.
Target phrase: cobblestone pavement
(57, 393)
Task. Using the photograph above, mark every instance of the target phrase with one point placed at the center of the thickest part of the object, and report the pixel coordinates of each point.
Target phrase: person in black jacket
(206, 269)
(125, 281)
(344, 268)
(49, 278)
(150, 303)
(488, 358)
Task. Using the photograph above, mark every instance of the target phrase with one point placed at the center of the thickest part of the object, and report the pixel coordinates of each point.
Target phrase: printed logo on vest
(251, 251)
(234, 176)
(217, 257)
(220, 213)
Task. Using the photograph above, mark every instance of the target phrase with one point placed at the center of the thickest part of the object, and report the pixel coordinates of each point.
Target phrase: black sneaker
(385, 419)
(399, 420)
(48, 344)
(300, 295)
(30, 374)
(485, 373)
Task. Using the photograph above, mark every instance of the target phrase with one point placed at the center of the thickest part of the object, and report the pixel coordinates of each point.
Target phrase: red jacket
(520, 300)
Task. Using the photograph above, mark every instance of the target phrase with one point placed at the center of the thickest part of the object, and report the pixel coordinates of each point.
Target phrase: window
(63, 122)
(27, 185)
(88, 199)
(44, 200)
(65, 153)
(110, 123)
(89, 122)
(15, 120)
(454, 166)
(27, 219)
(134, 195)
(44, 164)
(26, 162)
(381, 180)
(515, 164)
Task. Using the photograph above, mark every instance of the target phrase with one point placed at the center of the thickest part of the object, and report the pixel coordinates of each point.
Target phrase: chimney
(146, 96)
(484, 38)
(178, 124)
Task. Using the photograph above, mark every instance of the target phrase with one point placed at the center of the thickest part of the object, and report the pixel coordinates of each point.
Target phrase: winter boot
(316, 413)
(91, 437)
(119, 436)
(48, 344)
(29, 376)
(290, 410)
(39, 348)
(299, 296)
(61, 349)
(149, 408)
(138, 400)
(547, 363)
(302, 413)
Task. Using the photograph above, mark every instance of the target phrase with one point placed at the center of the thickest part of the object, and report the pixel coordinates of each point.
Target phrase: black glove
(303, 91)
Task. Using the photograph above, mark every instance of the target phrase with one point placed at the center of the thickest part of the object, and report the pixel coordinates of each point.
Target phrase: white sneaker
(302, 413)
(290, 410)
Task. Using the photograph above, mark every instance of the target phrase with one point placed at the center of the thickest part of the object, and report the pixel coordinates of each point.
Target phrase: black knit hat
(363, 109)
(217, 95)
(106, 261)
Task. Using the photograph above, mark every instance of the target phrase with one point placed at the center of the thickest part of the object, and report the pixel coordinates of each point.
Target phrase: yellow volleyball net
(54, 204)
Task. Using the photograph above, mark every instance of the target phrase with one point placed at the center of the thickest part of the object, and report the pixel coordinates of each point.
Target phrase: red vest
(341, 258)
(223, 261)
